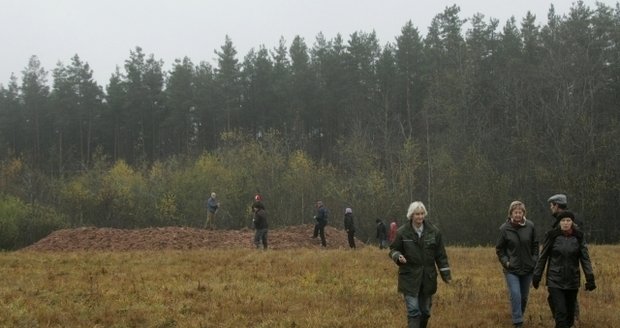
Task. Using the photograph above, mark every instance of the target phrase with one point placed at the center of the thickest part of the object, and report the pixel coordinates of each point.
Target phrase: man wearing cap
(558, 203)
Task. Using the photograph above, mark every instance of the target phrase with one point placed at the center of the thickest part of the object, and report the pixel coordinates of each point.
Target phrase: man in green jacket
(419, 251)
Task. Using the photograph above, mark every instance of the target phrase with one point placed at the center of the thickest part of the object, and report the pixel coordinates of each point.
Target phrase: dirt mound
(109, 239)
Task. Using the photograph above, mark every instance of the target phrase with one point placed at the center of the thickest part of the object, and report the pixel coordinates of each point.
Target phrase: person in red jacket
(392, 233)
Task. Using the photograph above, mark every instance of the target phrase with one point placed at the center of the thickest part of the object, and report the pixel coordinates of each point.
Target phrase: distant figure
(349, 226)
(517, 251)
(381, 234)
(212, 205)
(419, 251)
(392, 233)
(260, 224)
(321, 221)
(563, 251)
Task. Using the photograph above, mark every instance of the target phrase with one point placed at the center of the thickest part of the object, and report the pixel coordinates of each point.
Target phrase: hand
(590, 285)
(402, 259)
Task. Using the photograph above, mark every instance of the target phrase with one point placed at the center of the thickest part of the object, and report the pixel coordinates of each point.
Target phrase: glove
(590, 285)
(536, 282)
(446, 276)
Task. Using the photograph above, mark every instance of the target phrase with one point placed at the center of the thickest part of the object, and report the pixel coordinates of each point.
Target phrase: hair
(516, 205)
(212, 194)
(416, 207)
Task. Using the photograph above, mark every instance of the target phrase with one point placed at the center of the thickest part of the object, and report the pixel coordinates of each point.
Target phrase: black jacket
(349, 226)
(517, 247)
(562, 256)
(260, 219)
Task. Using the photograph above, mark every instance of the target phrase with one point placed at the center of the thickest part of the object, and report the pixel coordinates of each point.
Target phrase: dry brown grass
(276, 288)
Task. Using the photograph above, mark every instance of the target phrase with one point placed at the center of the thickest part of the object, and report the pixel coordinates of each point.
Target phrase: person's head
(377, 220)
(213, 194)
(557, 203)
(258, 197)
(348, 210)
(567, 219)
(319, 203)
(416, 213)
(516, 211)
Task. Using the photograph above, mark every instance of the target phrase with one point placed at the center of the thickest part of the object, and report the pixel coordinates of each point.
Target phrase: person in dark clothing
(517, 252)
(349, 226)
(260, 224)
(419, 251)
(558, 204)
(381, 234)
(563, 251)
(321, 221)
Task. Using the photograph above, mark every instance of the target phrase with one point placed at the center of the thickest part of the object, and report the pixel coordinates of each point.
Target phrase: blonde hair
(516, 205)
(416, 207)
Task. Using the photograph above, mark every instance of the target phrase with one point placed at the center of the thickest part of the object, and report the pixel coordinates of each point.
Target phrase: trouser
(418, 310)
(260, 236)
(519, 290)
(210, 224)
(319, 230)
(562, 304)
(351, 238)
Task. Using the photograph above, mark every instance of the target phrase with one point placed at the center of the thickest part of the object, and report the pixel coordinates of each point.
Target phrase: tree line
(464, 119)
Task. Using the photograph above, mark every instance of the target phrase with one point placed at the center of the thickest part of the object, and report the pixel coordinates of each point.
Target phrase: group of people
(564, 250)
(383, 235)
(419, 252)
(417, 247)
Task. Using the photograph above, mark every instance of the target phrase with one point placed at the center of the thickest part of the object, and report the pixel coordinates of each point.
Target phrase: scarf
(517, 225)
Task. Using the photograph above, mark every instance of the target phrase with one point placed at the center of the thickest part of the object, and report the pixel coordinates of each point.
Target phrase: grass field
(276, 288)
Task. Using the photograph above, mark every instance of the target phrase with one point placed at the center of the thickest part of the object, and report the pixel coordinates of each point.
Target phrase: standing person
(563, 250)
(381, 233)
(392, 233)
(517, 251)
(321, 221)
(349, 226)
(418, 250)
(260, 224)
(212, 205)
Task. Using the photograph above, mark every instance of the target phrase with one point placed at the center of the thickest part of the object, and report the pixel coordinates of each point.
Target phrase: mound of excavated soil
(109, 239)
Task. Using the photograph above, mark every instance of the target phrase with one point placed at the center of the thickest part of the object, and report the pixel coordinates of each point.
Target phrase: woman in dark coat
(517, 252)
(349, 226)
(563, 251)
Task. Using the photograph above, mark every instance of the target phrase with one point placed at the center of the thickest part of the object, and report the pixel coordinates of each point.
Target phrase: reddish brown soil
(179, 238)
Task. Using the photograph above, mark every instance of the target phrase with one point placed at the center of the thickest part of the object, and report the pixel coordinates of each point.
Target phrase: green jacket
(424, 255)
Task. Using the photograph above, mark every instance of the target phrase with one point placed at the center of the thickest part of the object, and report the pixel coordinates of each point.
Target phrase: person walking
(381, 234)
(517, 251)
(564, 249)
(558, 204)
(321, 221)
(349, 226)
(418, 250)
(260, 224)
(211, 205)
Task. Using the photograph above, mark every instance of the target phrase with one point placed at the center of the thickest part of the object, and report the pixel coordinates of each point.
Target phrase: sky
(103, 32)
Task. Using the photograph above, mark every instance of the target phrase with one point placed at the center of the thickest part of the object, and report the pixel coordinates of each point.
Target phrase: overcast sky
(103, 32)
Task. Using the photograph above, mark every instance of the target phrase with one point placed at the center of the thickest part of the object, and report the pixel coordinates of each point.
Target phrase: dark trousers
(562, 304)
(351, 237)
(260, 236)
(319, 230)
